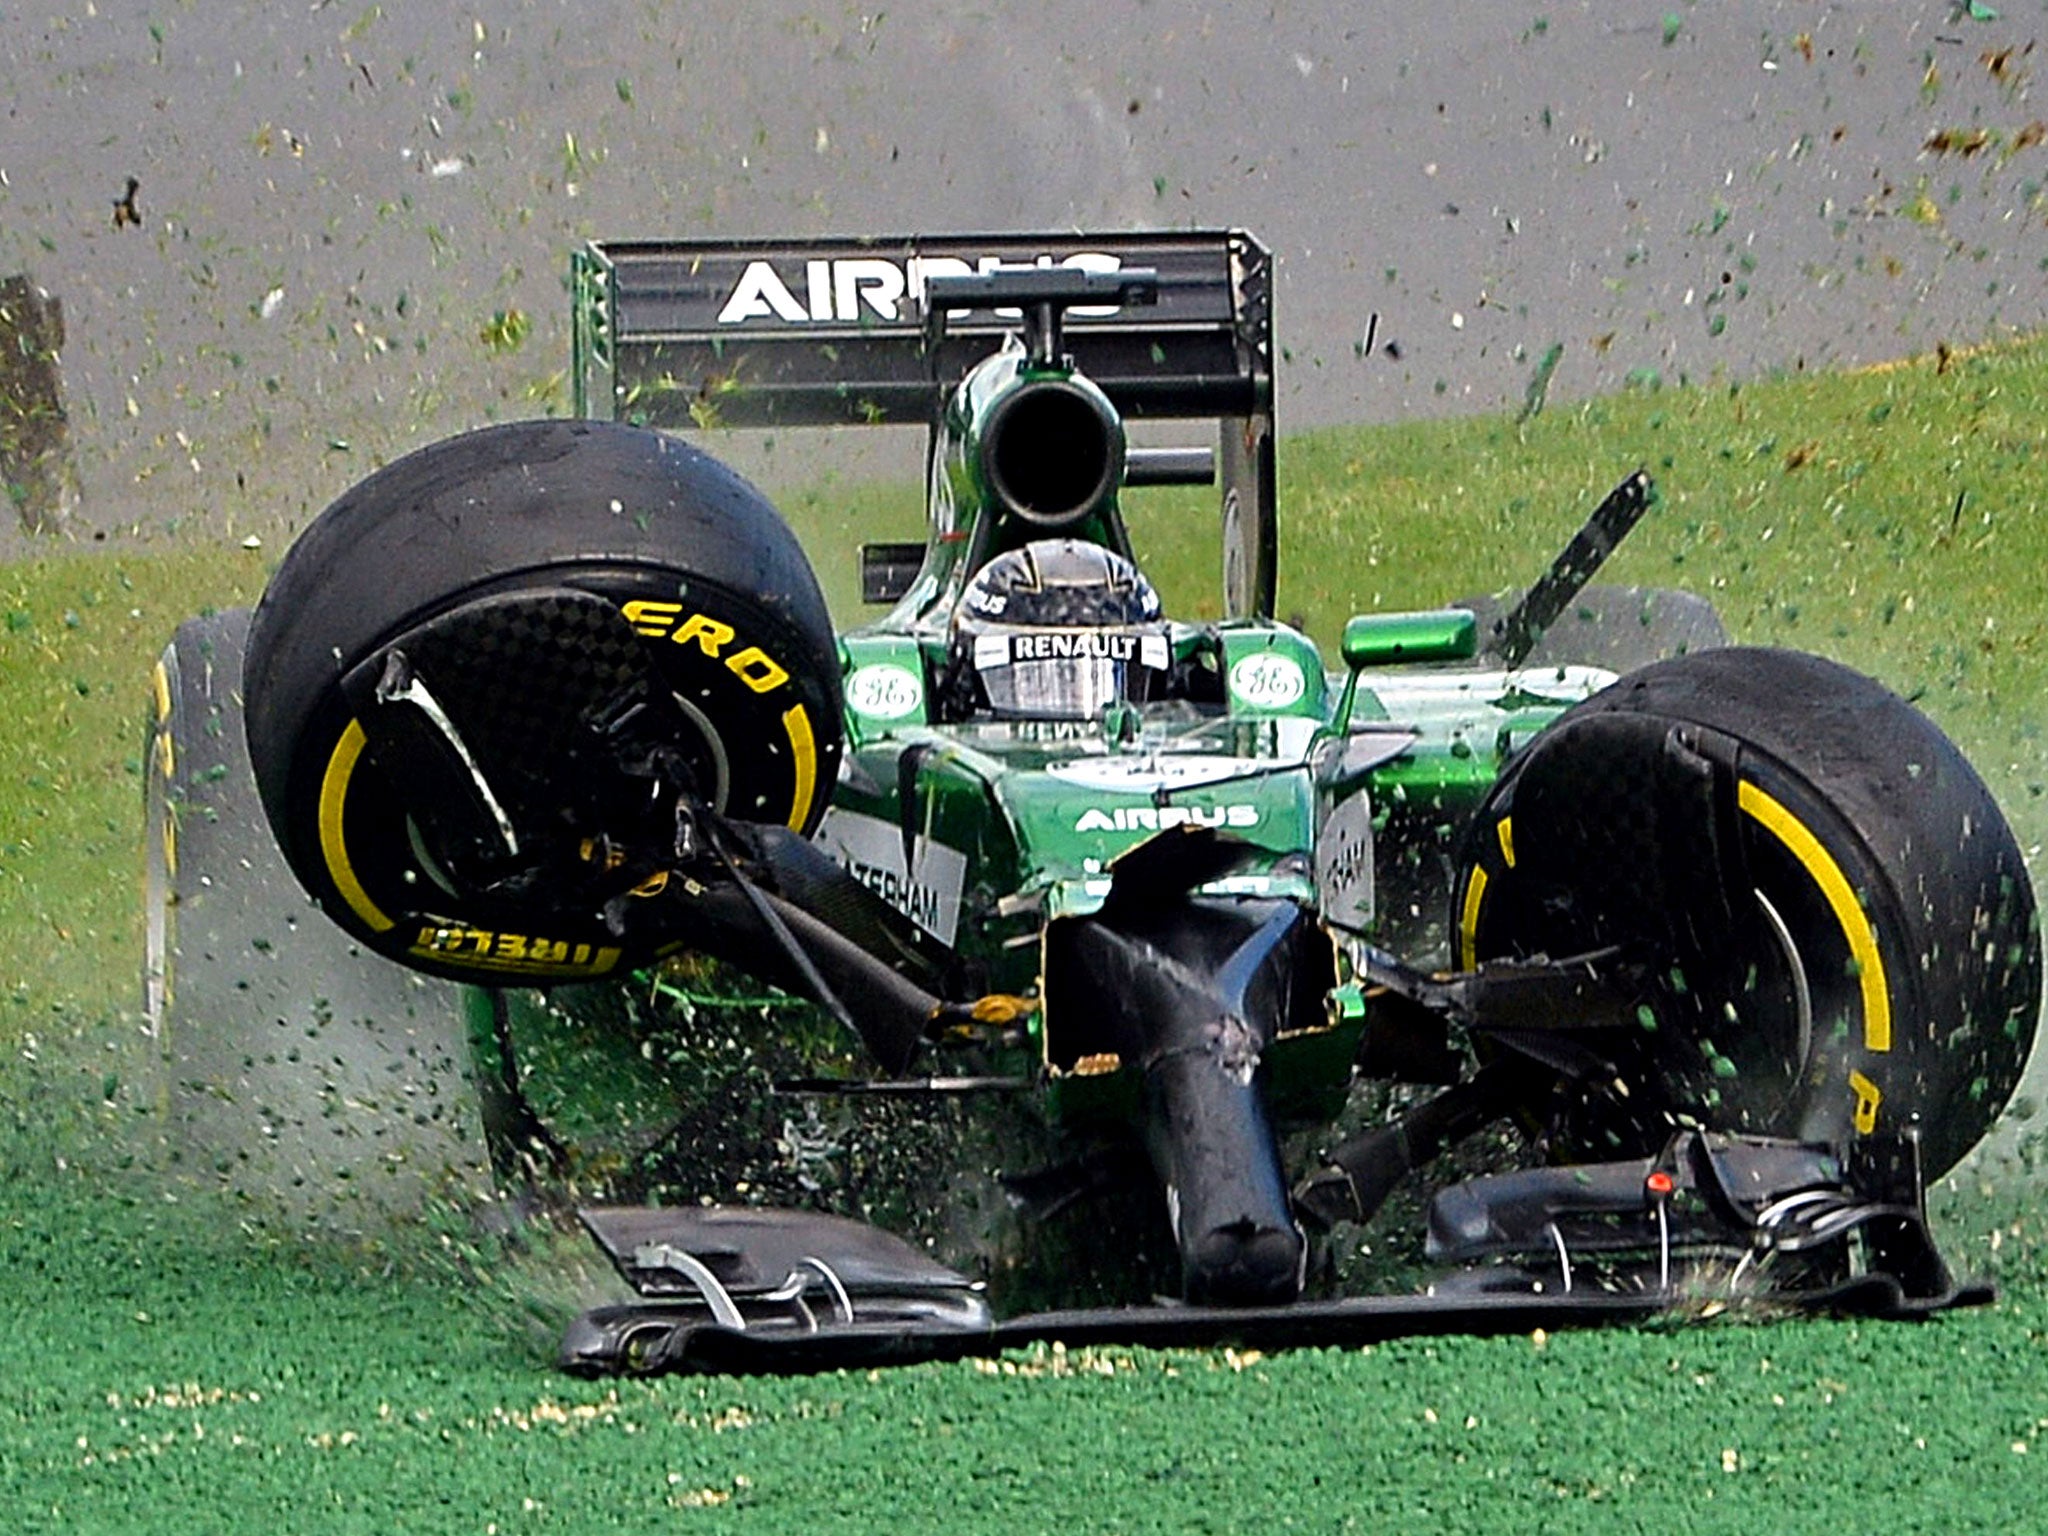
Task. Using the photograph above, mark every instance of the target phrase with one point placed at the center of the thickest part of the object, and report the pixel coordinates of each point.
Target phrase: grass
(184, 1372)
(174, 1363)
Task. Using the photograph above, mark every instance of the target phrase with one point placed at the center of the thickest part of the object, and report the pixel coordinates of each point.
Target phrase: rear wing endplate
(688, 334)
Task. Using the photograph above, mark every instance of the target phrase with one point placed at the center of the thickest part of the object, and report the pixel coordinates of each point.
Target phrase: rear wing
(684, 334)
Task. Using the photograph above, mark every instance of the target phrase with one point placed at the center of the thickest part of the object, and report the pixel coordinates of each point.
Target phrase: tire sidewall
(1901, 886)
(696, 561)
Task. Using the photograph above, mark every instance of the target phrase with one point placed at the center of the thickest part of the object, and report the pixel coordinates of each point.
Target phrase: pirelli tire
(306, 1078)
(539, 557)
(1838, 929)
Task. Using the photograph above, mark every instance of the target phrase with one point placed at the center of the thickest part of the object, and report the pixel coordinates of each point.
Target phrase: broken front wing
(1711, 1224)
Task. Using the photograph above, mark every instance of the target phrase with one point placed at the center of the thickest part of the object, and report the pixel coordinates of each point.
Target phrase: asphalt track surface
(352, 220)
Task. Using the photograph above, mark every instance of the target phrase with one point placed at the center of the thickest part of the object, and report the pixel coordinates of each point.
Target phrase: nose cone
(1243, 1263)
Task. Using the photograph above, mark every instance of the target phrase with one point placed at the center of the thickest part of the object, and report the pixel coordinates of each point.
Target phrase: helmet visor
(1065, 674)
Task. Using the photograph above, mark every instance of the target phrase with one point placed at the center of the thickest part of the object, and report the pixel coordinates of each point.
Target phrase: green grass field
(171, 1364)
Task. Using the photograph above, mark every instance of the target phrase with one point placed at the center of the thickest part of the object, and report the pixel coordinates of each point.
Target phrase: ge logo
(884, 692)
(1267, 680)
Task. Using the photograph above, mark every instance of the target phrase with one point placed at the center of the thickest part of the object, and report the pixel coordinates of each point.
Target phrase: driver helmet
(1057, 630)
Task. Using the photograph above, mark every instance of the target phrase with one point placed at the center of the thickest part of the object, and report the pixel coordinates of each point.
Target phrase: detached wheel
(471, 672)
(1835, 917)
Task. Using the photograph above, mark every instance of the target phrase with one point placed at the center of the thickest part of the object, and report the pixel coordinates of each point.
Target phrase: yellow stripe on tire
(803, 744)
(1475, 895)
(333, 802)
(1468, 919)
(1855, 923)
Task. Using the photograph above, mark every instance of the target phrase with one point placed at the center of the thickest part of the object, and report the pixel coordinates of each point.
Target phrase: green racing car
(1729, 945)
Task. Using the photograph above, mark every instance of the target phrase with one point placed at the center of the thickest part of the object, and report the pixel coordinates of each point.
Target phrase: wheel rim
(1795, 970)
